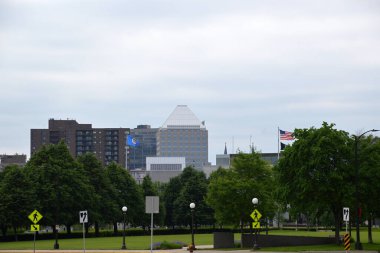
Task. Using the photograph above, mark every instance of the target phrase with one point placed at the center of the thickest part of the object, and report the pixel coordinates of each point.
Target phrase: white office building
(184, 135)
(161, 169)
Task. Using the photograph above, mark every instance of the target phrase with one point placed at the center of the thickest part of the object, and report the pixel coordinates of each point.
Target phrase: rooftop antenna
(233, 145)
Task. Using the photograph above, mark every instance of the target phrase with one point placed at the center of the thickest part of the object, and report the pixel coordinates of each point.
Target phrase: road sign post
(35, 217)
(83, 218)
(346, 216)
(256, 215)
(152, 204)
(347, 238)
(35, 228)
(347, 242)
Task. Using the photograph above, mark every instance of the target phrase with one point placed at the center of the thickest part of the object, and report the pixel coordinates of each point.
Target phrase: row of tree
(327, 169)
(317, 176)
(59, 186)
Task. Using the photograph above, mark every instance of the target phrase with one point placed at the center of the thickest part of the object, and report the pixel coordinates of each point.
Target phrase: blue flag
(132, 141)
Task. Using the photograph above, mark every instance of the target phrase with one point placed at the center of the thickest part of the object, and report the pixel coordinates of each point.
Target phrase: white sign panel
(83, 217)
(346, 214)
(152, 204)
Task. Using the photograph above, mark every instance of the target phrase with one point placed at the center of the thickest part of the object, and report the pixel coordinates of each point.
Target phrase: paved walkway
(200, 248)
(184, 250)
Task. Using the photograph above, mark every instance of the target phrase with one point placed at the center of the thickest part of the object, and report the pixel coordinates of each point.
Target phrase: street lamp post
(255, 201)
(358, 245)
(124, 209)
(192, 206)
(56, 244)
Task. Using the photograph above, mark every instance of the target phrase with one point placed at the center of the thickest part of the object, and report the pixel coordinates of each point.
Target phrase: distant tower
(184, 135)
(225, 148)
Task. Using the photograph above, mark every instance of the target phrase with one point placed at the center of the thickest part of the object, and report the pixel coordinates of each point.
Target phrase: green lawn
(112, 243)
(143, 242)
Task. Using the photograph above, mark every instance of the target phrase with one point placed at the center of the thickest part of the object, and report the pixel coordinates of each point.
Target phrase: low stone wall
(247, 240)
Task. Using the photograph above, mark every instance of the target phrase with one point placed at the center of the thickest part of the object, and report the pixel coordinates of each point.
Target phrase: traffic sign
(256, 225)
(34, 227)
(256, 215)
(83, 217)
(152, 204)
(346, 214)
(35, 216)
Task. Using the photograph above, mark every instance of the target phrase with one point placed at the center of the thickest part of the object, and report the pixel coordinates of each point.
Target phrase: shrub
(168, 245)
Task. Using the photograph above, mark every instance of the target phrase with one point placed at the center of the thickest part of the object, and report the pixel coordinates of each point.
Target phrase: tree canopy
(316, 175)
(316, 172)
(16, 197)
(128, 193)
(231, 190)
(193, 190)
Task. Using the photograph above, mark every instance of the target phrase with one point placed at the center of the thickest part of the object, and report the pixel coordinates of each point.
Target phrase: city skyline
(244, 67)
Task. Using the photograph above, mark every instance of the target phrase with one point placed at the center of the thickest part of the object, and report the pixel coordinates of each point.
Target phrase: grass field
(143, 242)
(113, 243)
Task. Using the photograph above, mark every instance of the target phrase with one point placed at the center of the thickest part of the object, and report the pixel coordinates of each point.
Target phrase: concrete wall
(223, 240)
(279, 240)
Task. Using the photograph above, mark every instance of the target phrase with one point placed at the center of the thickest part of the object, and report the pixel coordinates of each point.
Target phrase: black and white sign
(346, 214)
(83, 217)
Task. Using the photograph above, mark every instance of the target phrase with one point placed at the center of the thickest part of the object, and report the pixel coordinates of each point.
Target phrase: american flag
(286, 136)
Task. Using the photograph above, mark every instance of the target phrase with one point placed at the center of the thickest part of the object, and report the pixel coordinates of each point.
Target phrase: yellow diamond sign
(35, 216)
(35, 227)
(256, 225)
(256, 215)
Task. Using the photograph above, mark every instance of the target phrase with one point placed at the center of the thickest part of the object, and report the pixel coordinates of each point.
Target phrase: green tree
(148, 189)
(15, 198)
(102, 207)
(160, 187)
(3, 218)
(231, 191)
(170, 195)
(314, 173)
(369, 176)
(127, 194)
(193, 190)
(59, 185)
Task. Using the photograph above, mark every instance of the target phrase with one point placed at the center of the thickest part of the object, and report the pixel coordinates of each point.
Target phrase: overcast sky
(245, 67)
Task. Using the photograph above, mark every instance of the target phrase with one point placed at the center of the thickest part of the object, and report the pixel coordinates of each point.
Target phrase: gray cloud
(245, 67)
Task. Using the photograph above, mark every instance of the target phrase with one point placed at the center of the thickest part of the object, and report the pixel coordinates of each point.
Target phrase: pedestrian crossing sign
(35, 216)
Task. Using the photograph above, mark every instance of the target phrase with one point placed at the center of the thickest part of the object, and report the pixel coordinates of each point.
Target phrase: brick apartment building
(15, 159)
(108, 144)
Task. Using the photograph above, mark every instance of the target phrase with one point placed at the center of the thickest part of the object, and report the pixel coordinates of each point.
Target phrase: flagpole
(278, 143)
(126, 154)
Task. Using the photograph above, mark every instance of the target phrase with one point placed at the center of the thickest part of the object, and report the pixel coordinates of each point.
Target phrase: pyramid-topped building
(184, 135)
(183, 117)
